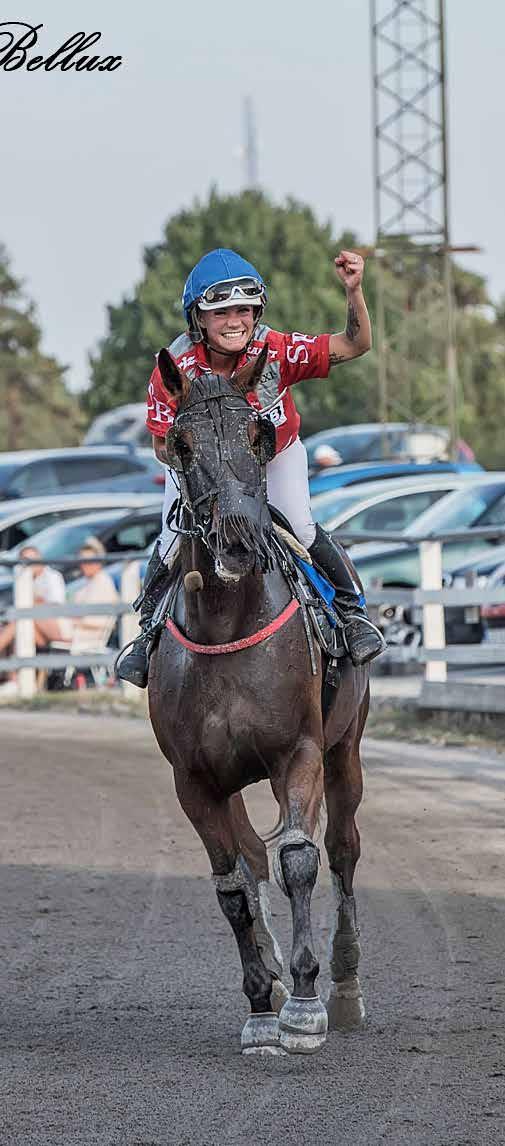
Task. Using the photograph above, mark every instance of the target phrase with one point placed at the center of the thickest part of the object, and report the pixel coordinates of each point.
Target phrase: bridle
(186, 509)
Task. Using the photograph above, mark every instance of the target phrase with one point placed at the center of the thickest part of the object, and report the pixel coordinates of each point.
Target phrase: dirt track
(111, 933)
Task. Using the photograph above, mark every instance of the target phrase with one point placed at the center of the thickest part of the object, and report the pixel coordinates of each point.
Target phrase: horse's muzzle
(233, 564)
(239, 544)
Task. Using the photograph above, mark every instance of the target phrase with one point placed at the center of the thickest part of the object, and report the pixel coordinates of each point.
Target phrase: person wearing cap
(91, 631)
(224, 299)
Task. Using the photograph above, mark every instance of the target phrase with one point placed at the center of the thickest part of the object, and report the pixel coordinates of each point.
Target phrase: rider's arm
(161, 409)
(356, 339)
(160, 449)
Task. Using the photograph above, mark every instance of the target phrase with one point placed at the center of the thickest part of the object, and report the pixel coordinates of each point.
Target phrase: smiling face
(228, 328)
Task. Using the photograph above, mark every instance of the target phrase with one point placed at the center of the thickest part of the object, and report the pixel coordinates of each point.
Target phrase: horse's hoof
(278, 996)
(303, 1025)
(345, 1006)
(261, 1035)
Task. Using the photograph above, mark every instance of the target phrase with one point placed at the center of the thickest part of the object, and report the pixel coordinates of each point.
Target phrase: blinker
(173, 457)
(267, 440)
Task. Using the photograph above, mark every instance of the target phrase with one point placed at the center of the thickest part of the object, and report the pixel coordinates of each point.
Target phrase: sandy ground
(121, 986)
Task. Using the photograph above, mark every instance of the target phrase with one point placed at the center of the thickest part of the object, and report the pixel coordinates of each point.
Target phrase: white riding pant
(287, 489)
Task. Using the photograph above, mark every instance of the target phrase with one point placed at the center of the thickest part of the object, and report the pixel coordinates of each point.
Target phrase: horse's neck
(219, 612)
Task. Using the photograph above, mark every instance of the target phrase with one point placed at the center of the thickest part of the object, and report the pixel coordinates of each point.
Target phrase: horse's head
(220, 445)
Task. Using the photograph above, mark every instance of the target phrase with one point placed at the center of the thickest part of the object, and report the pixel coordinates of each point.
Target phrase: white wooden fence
(431, 598)
(27, 660)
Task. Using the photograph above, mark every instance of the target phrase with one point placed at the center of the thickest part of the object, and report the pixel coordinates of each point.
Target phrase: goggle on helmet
(244, 290)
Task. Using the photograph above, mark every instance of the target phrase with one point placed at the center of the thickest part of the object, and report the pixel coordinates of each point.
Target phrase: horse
(232, 701)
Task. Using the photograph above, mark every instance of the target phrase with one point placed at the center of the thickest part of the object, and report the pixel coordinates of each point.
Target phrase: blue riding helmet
(216, 269)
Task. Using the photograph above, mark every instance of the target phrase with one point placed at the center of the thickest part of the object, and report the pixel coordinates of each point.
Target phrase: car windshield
(328, 506)
(64, 539)
(458, 510)
(6, 472)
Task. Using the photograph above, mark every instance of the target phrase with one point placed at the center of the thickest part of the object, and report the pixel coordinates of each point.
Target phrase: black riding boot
(134, 667)
(363, 640)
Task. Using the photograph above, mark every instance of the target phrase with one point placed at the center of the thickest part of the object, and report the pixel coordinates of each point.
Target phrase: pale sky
(94, 163)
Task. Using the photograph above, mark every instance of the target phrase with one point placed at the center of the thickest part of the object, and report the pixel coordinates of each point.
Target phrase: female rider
(224, 299)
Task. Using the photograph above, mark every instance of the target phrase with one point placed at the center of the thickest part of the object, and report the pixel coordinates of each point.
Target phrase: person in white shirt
(92, 632)
(48, 589)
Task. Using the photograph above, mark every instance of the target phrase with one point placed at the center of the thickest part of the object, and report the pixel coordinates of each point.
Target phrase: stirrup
(374, 652)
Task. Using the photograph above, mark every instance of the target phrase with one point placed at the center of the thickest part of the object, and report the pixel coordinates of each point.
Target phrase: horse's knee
(240, 879)
(295, 862)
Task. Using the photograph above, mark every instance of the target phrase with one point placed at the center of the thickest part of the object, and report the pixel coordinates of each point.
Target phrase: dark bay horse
(231, 718)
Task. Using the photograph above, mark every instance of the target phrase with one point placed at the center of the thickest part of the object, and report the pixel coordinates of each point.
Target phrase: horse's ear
(249, 376)
(174, 380)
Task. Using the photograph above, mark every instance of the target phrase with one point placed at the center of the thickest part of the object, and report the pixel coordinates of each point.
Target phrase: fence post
(24, 644)
(430, 555)
(129, 626)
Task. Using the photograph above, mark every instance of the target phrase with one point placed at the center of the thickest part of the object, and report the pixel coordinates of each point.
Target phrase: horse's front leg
(298, 785)
(255, 852)
(343, 790)
(237, 893)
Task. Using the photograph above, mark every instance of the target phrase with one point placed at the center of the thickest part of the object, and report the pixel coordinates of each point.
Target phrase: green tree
(295, 255)
(36, 409)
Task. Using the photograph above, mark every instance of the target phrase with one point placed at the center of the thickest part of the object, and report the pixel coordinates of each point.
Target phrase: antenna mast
(250, 144)
(411, 197)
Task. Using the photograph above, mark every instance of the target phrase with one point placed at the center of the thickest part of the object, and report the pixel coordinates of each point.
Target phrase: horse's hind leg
(237, 893)
(255, 852)
(343, 789)
(298, 787)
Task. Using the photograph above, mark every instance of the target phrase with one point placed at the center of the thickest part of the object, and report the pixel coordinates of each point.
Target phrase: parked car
(493, 616)
(125, 424)
(30, 473)
(19, 520)
(480, 502)
(339, 476)
(487, 570)
(120, 531)
(470, 624)
(389, 504)
(388, 441)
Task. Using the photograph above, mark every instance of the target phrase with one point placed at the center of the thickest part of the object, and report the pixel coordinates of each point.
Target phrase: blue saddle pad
(322, 586)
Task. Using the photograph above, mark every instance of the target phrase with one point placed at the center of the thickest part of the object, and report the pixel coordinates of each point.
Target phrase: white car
(391, 504)
(20, 520)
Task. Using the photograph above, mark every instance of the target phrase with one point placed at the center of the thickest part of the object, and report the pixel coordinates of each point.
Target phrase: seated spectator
(91, 632)
(48, 589)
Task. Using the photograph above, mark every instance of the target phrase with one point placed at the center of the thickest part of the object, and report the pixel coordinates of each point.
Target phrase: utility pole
(411, 188)
(250, 144)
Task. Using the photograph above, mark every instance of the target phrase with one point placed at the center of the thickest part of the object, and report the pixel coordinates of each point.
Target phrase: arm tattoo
(336, 358)
(353, 324)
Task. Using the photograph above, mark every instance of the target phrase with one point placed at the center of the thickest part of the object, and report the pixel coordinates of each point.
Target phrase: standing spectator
(92, 632)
